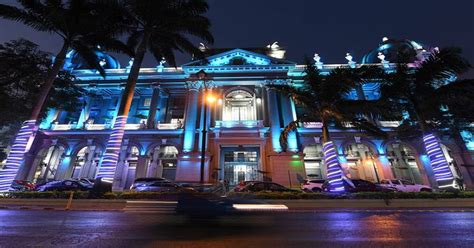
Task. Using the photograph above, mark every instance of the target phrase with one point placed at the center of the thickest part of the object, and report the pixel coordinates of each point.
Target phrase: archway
(48, 163)
(313, 161)
(361, 162)
(239, 105)
(403, 163)
(163, 162)
(86, 162)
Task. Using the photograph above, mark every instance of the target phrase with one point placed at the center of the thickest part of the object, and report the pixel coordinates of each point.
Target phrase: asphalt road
(23, 228)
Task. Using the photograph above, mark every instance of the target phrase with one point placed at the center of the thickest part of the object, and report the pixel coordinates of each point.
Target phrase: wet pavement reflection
(24, 228)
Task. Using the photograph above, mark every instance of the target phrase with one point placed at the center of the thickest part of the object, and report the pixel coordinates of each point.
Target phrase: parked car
(141, 182)
(313, 185)
(359, 185)
(265, 186)
(22, 185)
(405, 185)
(239, 187)
(159, 186)
(65, 185)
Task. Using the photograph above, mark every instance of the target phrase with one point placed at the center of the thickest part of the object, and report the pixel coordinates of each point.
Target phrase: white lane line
(259, 207)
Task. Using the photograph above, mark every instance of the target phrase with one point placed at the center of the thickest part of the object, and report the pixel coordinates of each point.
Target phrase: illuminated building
(245, 118)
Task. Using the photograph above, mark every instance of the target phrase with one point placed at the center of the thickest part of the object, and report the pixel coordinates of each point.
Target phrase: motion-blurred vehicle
(312, 185)
(161, 186)
(404, 185)
(65, 185)
(22, 185)
(359, 185)
(257, 186)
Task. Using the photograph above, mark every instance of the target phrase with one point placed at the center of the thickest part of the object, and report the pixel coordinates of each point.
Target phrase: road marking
(248, 207)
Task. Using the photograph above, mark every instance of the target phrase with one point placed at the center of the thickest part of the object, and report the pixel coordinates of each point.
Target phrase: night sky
(330, 28)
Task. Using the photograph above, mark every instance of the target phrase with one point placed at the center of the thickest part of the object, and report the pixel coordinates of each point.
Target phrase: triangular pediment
(239, 57)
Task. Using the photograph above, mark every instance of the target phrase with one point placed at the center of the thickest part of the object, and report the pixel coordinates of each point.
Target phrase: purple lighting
(112, 152)
(334, 168)
(442, 173)
(16, 155)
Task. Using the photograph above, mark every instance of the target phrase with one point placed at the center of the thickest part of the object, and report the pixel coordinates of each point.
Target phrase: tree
(22, 69)
(79, 26)
(424, 93)
(160, 27)
(324, 98)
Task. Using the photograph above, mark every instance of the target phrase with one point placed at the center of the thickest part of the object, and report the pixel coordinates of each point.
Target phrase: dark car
(65, 185)
(158, 186)
(22, 185)
(265, 186)
(359, 185)
(142, 182)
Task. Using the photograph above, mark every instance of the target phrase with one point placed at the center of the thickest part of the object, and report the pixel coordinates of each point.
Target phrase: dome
(390, 48)
(75, 62)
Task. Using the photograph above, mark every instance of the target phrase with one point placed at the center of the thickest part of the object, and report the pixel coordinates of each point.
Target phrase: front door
(240, 163)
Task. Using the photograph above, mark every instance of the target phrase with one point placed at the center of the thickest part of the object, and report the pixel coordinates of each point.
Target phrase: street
(26, 228)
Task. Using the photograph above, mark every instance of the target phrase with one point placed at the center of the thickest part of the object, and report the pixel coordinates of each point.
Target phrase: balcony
(239, 124)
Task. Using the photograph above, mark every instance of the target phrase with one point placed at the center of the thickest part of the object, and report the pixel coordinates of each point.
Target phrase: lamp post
(202, 75)
(375, 167)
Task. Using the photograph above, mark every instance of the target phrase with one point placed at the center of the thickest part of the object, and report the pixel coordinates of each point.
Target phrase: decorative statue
(349, 58)
(381, 56)
(316, 58)
(102, 62)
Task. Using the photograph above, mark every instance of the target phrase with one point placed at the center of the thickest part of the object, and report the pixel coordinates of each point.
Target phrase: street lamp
(202, 75)
(374, 166)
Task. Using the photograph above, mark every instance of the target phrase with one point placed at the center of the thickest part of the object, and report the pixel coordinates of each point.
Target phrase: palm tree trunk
(26, 133)
(331, 160)
(129, 91)
(49, 81)
(113, 148)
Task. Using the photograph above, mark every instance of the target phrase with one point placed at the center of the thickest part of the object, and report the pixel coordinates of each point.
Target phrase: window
(396, 182)
(147, 102)
(406, 182)
(239, 106)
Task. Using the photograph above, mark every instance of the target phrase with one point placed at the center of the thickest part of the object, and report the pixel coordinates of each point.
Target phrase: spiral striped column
(112, 151)
(442, 173)
(17, 154)
(334, 168)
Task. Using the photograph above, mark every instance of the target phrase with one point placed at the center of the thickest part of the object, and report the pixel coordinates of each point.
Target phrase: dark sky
(330, 27)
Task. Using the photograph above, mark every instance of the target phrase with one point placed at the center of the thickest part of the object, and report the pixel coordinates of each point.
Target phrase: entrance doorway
(240, 163)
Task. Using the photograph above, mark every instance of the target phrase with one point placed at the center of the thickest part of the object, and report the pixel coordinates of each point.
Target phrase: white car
(404, 185)
(312, 185)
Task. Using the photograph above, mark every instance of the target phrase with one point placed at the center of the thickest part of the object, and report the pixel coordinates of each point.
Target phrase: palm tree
(160, 27)
(79, 28)
(324, 98)
(423, 92)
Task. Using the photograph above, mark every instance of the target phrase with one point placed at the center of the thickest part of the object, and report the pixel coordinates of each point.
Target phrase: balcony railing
(239, 124)
(96, 127)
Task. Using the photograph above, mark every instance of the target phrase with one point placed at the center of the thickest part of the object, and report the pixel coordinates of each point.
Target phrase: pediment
(239, 57)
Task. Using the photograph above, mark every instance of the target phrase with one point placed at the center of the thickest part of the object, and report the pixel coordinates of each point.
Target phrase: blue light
(334, 168)
(438, 162)
(112, 152)
(16, 156)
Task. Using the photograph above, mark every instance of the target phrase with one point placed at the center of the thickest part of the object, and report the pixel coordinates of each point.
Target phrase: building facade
(245, 118)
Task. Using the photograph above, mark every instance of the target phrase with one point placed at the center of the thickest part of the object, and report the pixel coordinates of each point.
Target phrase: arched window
(361, 162)
(163, 161)
(50, 158)
(239, 106)
(403, 163)
(86, 162)
(313, 161)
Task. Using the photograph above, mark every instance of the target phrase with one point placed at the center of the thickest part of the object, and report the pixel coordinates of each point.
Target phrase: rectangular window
(147, 102)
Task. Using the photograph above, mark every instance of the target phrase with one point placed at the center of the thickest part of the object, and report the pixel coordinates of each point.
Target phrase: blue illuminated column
(288, 117)
(274, 118)
(15, 158)
(191, 117)
(112, 152)
(334, 169)
(442, 173)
